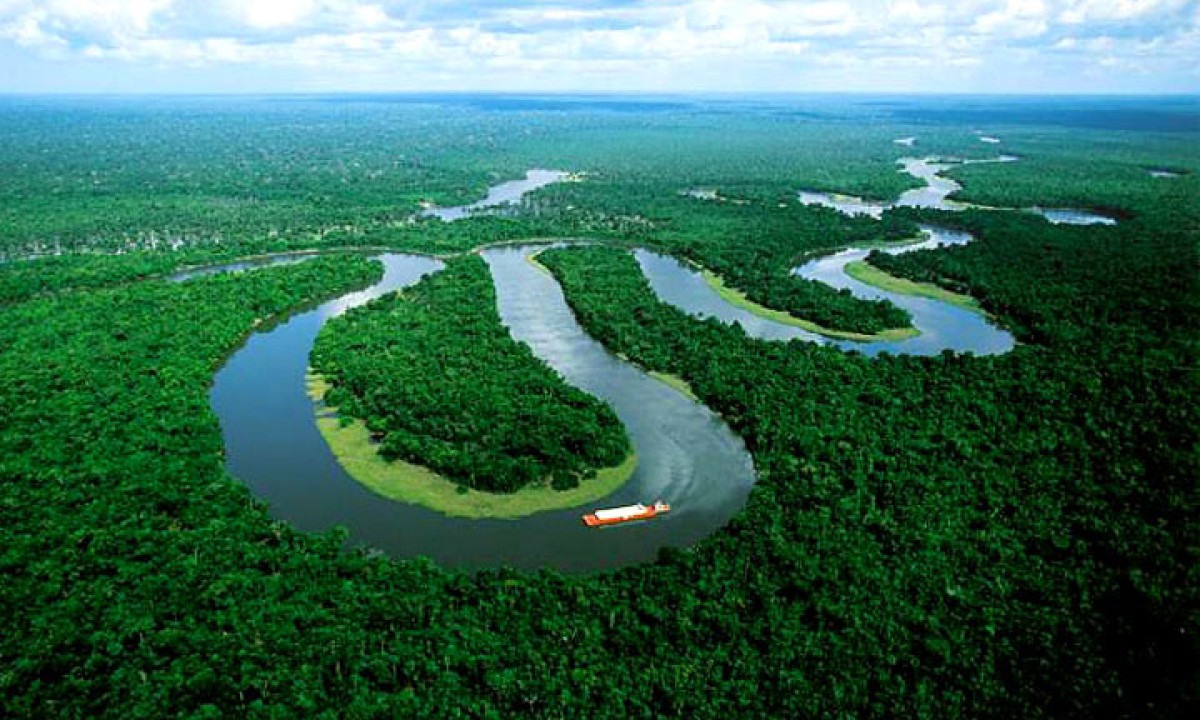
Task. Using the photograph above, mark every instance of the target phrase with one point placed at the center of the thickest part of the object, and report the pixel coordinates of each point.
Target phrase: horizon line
(599, 93)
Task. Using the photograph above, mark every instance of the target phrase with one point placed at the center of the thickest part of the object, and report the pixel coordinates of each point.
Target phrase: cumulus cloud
(617, 44)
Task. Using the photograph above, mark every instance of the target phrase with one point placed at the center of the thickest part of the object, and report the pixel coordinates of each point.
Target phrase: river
(687, 455)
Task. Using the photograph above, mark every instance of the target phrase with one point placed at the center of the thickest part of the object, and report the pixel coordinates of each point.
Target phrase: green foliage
(438, 379)
(987, 541)
(929, 537)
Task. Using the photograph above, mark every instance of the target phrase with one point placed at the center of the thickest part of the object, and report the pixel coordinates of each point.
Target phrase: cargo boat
(626, 513)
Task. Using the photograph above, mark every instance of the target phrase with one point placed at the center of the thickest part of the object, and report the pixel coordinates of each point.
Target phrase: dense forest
(941, 537)
(440, 382)
(966, 514)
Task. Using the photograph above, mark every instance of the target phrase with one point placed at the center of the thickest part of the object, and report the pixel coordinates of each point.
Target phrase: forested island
(437, 381)
(1010, 535)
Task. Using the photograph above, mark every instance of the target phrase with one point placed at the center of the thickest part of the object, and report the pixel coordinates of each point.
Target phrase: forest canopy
(931, 537)
(440, 382)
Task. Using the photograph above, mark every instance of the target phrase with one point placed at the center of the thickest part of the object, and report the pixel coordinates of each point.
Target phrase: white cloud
(266, 14)
(1017, 19)
(778, 41)
(1083, 11)
(911, 12)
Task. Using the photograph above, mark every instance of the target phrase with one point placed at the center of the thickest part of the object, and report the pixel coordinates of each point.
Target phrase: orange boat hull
(592, 521)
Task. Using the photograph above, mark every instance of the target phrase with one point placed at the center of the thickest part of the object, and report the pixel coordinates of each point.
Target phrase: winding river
(936, 192)
(498, 195)
(942, 326)
(687, 455)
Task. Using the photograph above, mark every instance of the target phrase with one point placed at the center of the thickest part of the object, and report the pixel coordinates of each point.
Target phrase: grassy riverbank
(737, 298)
(405, 482)
(864, 272)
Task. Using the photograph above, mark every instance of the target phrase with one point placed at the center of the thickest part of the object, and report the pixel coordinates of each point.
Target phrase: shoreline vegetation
(511, 425)
(868, 274)
(673, 381)
(737, 298)
(405, 482)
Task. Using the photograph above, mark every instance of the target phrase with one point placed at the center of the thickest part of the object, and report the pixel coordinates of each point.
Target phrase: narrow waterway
(244, 265)
(942, 326)
(498, 195)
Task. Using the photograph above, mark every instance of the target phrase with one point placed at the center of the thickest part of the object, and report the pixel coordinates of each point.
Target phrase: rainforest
(302, 399)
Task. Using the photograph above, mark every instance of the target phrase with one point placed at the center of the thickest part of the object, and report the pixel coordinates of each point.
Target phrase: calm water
(936, 192)
(942, 326)
(845, 204)
(1071, 216)
(502, 194)
(687, 455)
(678, 285)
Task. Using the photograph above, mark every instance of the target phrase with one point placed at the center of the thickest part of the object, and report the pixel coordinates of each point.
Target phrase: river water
(942, 326)
(687, 455)
(498, 195)
(935, 194)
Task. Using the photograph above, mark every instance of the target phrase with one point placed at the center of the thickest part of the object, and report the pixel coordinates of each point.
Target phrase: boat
(625, 513)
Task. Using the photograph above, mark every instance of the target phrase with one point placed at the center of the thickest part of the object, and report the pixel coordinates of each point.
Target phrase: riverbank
(673, 381)
(868, 274)
(408, 483)
(739, 299)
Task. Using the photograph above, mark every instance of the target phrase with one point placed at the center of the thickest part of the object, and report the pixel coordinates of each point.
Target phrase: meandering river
(498, 195)
(942, 326)
(936, 192)
(687, 455)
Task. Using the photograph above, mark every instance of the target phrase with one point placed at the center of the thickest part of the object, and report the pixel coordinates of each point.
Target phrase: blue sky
(1002, 46)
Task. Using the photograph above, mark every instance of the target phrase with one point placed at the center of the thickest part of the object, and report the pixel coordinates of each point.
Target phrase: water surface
(503, 194)
(687, 455)
(1073, 216)
(243, 265)
(934, 194)
(942, 326)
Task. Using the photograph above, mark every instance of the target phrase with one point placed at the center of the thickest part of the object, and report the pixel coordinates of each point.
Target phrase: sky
(600, 46)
